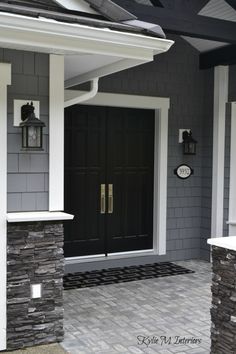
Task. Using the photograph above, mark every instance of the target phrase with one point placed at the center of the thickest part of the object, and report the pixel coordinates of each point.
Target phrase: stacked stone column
(223, 311)
(34, 256)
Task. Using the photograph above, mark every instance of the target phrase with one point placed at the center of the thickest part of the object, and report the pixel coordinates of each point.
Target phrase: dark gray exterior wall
(27, 172)
(175, 74)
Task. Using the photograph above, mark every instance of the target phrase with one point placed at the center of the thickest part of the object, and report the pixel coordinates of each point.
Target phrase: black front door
(109, 157)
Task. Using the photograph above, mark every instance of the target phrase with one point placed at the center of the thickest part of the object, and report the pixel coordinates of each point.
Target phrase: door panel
(108, 146)
(130, 168)
(84, 173)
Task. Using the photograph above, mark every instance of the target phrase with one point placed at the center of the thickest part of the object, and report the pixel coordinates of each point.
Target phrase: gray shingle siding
(175, 75)
(27, 172)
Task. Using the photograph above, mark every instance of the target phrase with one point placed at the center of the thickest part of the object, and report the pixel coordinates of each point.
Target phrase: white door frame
(161, 107)
(5, 79)
(232, 185)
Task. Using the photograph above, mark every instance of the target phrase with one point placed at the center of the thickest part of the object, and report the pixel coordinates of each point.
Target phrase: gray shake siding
(27, 172)
(174, 74)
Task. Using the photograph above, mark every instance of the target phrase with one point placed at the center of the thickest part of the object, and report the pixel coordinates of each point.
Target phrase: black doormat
(122, 274)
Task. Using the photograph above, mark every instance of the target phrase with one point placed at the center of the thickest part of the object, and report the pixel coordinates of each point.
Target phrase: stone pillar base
(34, 256)
(223, 311)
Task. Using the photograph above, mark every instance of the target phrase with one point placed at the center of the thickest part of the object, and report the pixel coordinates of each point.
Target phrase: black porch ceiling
(182, 17)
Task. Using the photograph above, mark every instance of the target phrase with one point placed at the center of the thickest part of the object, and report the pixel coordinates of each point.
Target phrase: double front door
(109, 158)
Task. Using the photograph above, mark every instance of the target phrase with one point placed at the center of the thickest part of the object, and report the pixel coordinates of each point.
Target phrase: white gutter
(50, 36)
(86, 96)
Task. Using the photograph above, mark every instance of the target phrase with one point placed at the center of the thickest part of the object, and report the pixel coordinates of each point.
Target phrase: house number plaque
(183, 171)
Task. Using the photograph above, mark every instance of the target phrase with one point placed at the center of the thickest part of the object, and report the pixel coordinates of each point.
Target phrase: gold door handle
(103, 199)
(110, 198)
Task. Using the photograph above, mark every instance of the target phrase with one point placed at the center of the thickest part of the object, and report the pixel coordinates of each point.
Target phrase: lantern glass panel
(191, 148)
(24, 137)
(33, 133)
(185, 148)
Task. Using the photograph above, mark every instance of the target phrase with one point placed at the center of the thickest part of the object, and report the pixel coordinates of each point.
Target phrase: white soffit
(219, 9)
(203, 45)
(80, 64)
(76, 5)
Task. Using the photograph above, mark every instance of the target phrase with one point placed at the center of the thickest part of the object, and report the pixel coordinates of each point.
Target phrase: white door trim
(161, 107)
(5, 79)
(232, 184)
(220, 99)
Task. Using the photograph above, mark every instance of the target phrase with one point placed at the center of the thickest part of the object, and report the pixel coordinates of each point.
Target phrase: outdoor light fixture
(32, 129)
(189, 144)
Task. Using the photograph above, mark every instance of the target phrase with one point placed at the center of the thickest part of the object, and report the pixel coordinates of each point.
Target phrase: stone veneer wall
(223, 311)
(34, 256)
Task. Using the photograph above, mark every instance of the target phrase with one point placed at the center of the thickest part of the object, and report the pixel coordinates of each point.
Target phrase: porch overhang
(89, 51)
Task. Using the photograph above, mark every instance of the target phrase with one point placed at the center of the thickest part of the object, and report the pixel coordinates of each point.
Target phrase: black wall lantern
(189, 144)
(32, 129)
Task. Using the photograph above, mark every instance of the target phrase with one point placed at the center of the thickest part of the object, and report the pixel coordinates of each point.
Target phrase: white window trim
(5, 80)
(161, 107)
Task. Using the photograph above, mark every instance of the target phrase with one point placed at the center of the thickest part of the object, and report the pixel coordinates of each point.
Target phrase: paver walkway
(165, 315)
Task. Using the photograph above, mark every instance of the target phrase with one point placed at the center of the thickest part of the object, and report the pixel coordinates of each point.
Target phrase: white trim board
(232, 184)
(5, 79)
(38, 216)
(122, 100)
(56, 133)
(220, 100)
(161, 107)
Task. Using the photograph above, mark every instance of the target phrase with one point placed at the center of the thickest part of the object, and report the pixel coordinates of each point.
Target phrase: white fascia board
(38, 216)
(50, 36)
(122, 100)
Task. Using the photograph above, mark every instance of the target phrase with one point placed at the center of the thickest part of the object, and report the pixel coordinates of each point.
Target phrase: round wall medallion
(183, 171)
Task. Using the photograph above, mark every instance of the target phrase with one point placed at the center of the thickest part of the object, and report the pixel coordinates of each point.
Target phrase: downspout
(86, 96)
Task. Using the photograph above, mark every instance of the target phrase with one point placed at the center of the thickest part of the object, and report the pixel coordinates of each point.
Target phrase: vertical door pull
(110, 198)
(103, 199)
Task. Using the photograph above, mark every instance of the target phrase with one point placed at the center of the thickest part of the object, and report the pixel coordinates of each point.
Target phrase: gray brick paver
(108, 319)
